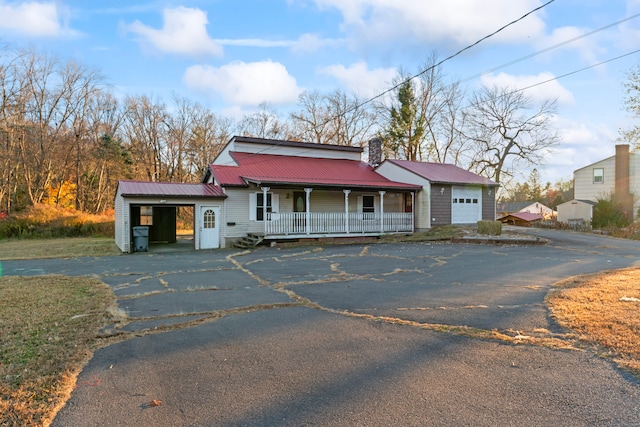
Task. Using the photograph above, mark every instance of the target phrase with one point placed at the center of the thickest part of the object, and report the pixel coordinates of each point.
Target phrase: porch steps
(249, 241)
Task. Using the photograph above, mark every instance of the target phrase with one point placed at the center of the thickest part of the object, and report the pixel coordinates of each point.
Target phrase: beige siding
(121, 223)
(422, 206)
(237, 211)
(224, 158)
(574, 209)
(586, 189)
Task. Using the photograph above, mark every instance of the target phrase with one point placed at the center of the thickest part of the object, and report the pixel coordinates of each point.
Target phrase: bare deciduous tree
(508, 131)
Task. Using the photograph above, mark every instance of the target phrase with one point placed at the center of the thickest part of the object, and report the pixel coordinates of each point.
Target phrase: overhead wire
(426, 70)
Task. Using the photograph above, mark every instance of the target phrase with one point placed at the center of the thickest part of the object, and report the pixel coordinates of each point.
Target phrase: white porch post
(264, 208)
(382, 193)
(307, 225)
(413, 212)
(346, 210)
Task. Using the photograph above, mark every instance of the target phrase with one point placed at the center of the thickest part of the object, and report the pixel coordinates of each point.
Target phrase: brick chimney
(375, 151)
(621, 192)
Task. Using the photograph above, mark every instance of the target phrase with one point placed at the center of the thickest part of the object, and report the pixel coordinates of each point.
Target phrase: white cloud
(245, 83)
(581, 145)
(359, 79)
(36, 19)
(586, 47)
(448, 21)
(537, 90)
(183, 32)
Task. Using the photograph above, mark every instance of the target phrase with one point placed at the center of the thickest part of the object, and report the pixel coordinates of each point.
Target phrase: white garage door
(466, 205)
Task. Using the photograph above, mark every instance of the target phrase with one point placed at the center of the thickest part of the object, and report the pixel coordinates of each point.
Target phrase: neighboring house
(618, 175)
(450, 194)
(293, 190)
(523, 219)
(544, 211)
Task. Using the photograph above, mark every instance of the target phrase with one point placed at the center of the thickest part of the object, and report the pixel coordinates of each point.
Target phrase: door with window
(209, 227)
(300, 209)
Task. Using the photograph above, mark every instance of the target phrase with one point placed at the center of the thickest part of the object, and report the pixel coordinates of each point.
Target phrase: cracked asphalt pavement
(376, 334)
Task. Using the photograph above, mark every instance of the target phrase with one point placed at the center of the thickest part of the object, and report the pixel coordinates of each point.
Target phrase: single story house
(507, 208)
(283, 190)
(522, 219)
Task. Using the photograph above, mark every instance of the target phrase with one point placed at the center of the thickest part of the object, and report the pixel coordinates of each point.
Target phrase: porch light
(442, 190)
(488, 190)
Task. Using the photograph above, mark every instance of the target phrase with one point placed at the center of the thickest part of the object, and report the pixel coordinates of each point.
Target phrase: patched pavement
(379, 334)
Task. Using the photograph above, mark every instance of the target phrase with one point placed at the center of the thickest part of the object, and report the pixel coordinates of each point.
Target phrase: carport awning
(169, 190)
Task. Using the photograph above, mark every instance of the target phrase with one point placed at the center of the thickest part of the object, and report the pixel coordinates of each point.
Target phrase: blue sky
(233, 55)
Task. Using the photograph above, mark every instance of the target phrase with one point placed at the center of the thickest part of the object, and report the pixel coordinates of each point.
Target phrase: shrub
(608, 214)
(492, 228)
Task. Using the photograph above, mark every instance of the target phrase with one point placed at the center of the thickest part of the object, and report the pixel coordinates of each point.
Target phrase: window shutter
(275, 203)
(253, 201)
(359, 203)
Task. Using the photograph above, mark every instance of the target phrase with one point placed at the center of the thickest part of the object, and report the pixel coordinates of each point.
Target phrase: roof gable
(294, 170)
(442, 173)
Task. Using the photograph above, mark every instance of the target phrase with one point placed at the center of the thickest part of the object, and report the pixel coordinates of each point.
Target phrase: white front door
(209, 227)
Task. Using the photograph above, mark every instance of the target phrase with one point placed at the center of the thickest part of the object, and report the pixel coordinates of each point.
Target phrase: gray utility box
(140, 238)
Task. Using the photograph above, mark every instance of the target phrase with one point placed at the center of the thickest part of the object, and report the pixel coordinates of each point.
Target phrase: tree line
(66, 138)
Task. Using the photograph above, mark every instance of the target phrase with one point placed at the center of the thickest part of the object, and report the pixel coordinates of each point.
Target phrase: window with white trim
(598, 175)
(368, 204)
(256, 205)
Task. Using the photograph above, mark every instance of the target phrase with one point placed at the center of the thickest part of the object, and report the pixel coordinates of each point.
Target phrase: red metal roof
(442, 172)
(525, 216)
(293, 170)
(169, 189)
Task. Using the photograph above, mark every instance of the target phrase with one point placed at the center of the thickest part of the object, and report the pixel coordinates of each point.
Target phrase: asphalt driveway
(347, 335)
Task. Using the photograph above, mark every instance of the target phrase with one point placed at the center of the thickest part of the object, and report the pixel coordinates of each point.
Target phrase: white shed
(154, 205)
(575, 210)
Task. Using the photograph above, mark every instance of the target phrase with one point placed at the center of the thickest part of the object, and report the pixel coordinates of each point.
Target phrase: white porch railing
(333, 223)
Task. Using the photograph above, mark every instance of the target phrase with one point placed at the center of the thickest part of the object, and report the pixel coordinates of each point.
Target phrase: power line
(426, 70)
(547, 49)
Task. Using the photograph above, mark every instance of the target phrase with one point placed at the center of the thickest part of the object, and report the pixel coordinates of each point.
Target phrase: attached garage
(153, 206)
(466, 205)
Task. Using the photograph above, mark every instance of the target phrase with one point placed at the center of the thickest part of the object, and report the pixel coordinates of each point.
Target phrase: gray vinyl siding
(488, 204)
(440, 205)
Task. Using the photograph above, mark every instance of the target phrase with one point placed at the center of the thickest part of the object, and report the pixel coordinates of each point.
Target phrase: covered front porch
(363, 213)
